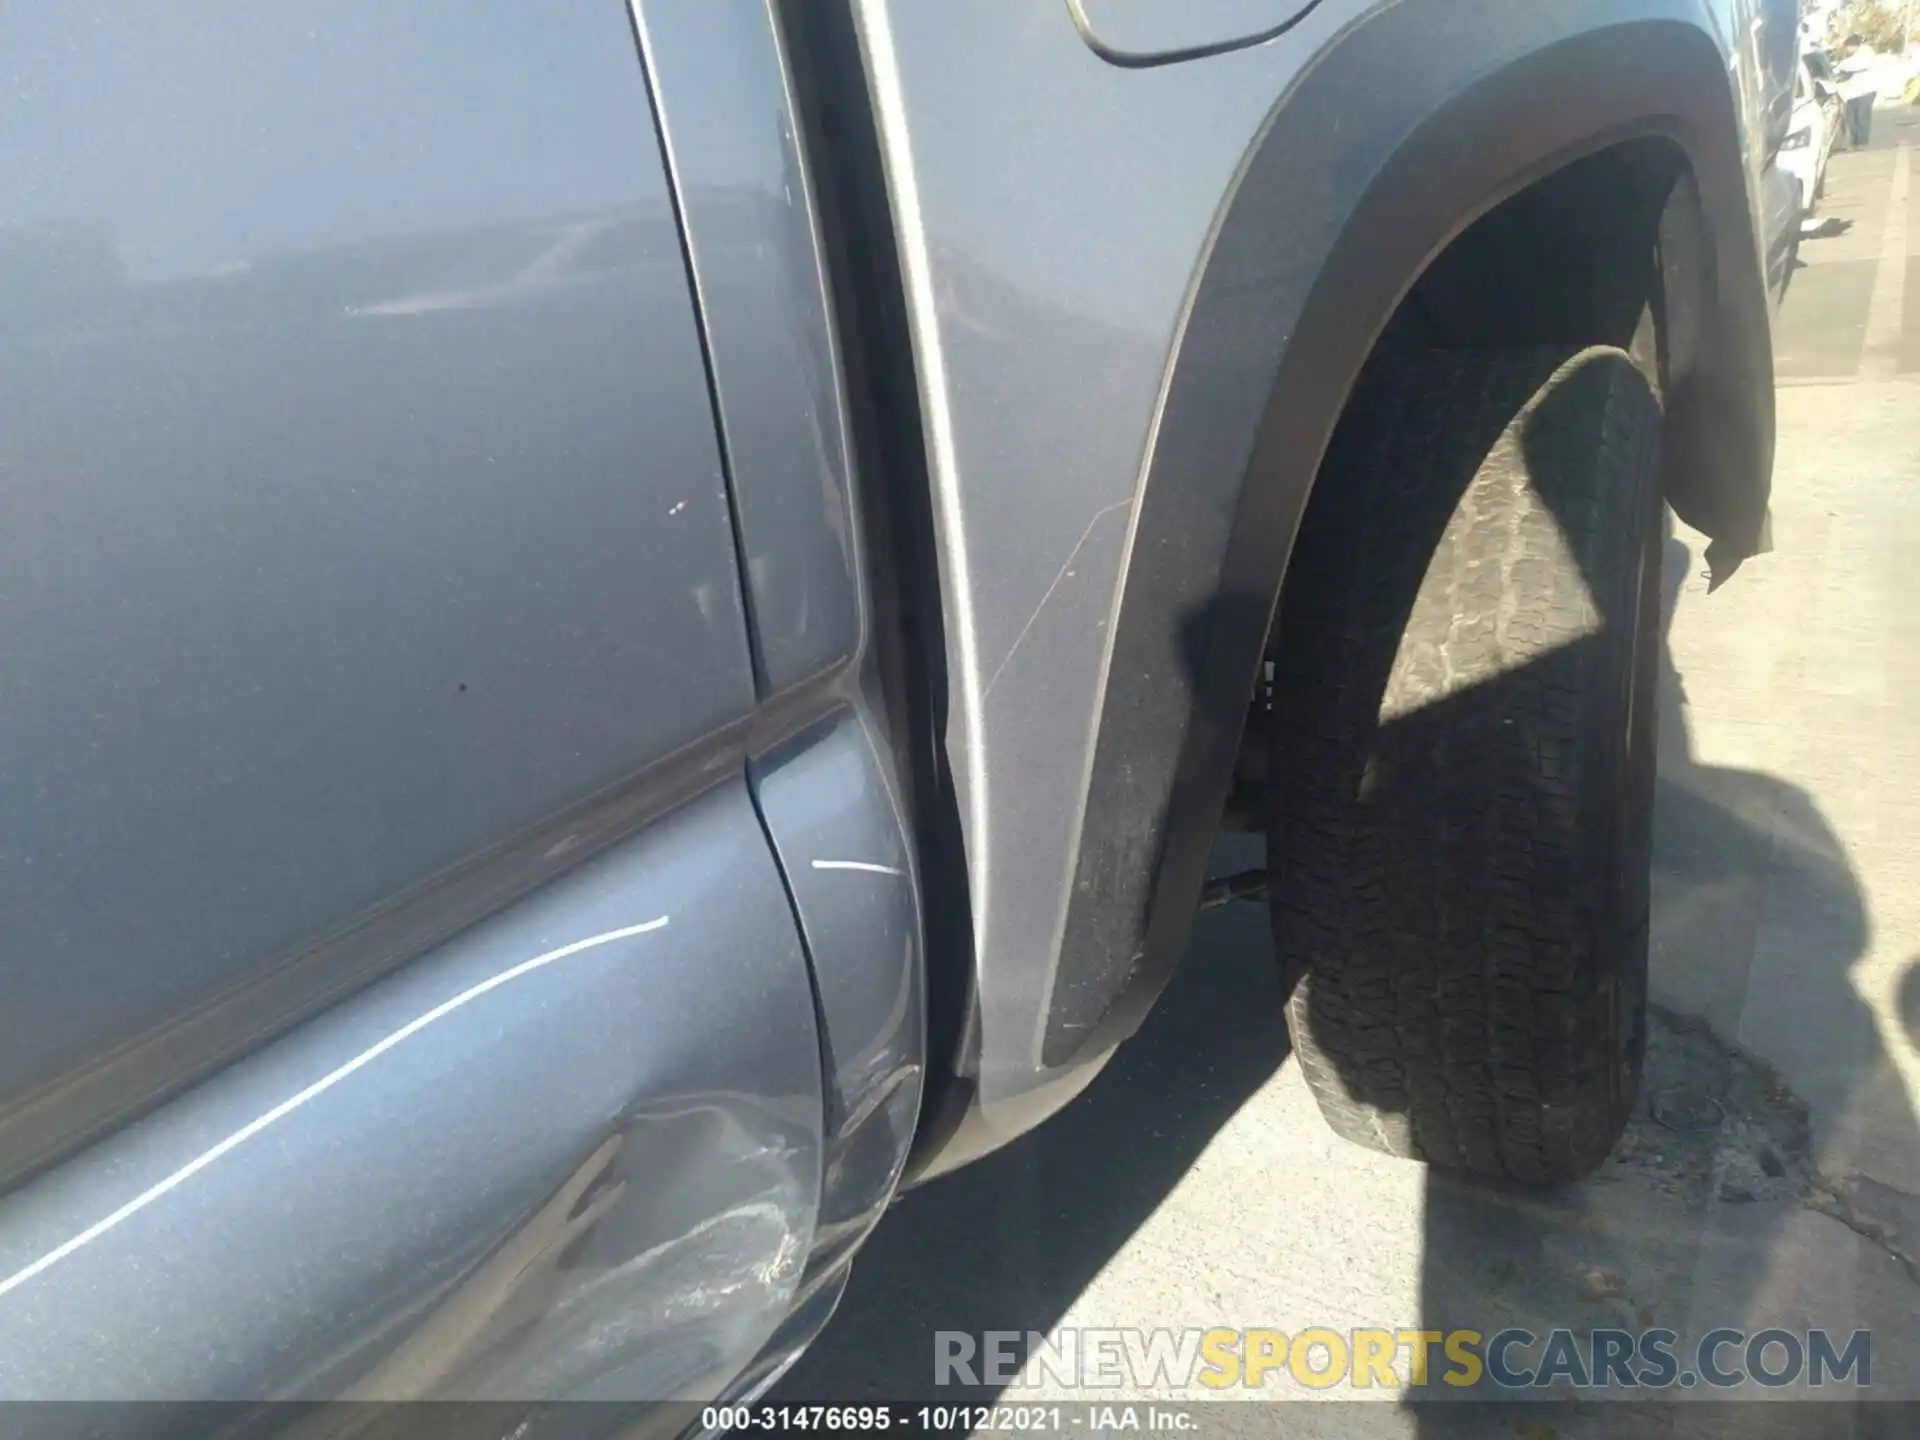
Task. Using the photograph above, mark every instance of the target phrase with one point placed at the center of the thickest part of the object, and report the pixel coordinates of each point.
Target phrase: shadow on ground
(1692, 1229)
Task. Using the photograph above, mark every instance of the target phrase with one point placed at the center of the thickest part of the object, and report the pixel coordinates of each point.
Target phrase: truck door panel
(362, 504)
(399, 994)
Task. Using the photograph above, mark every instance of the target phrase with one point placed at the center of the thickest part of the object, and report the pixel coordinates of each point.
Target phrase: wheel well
(1326, 228)
(1610, 249)
(1576, 257)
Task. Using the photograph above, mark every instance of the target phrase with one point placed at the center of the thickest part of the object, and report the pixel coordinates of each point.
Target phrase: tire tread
(1454, 893)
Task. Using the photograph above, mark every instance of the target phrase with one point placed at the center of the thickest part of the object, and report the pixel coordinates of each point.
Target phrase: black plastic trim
(1147, 59)
(1222, 498)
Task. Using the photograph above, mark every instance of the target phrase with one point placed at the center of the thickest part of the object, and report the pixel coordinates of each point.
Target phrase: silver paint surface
(840, 839)
(827, 795)
(537, 1164)
(359, 499)
(745, 200)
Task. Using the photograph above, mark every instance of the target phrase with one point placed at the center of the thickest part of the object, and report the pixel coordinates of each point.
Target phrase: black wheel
(1462, 760)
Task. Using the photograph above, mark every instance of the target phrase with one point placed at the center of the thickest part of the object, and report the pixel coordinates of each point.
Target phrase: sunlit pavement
(1805, 673)
(1194, 1184)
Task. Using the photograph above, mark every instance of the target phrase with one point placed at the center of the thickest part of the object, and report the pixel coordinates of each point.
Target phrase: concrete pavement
(1194, 1184)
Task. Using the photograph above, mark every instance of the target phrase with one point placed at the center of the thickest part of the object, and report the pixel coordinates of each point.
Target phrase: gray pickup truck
(624, 629)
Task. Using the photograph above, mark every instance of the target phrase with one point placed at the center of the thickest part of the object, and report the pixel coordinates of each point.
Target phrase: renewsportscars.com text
(1322, 1358)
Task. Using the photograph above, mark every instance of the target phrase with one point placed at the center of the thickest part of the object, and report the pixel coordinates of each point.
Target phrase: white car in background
(1813, 129)
(1783, 206)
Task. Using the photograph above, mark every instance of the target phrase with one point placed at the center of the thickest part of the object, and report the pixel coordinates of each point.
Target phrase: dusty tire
(1463, 758)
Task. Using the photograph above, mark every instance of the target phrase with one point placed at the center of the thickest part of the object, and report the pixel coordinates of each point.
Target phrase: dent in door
(830, 810)
(575, 1153)
(1151, 32)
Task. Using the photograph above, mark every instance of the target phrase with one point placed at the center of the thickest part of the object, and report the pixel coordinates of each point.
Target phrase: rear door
(379, 886)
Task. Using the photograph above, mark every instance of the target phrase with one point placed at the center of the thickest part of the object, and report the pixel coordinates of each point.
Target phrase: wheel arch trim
(1284, 309)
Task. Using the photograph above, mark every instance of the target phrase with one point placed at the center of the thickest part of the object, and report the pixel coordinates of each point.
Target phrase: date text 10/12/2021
(958, 1419)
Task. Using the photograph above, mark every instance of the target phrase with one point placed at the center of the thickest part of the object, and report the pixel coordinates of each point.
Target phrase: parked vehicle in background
(628, 628)
(1815, 128)
(1782, 208)
(1828, 90)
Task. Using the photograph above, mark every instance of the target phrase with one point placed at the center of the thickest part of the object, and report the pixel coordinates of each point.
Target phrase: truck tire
(1465, 667)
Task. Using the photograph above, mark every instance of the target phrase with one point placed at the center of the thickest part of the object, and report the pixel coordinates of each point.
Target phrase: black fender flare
(1258, 378)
